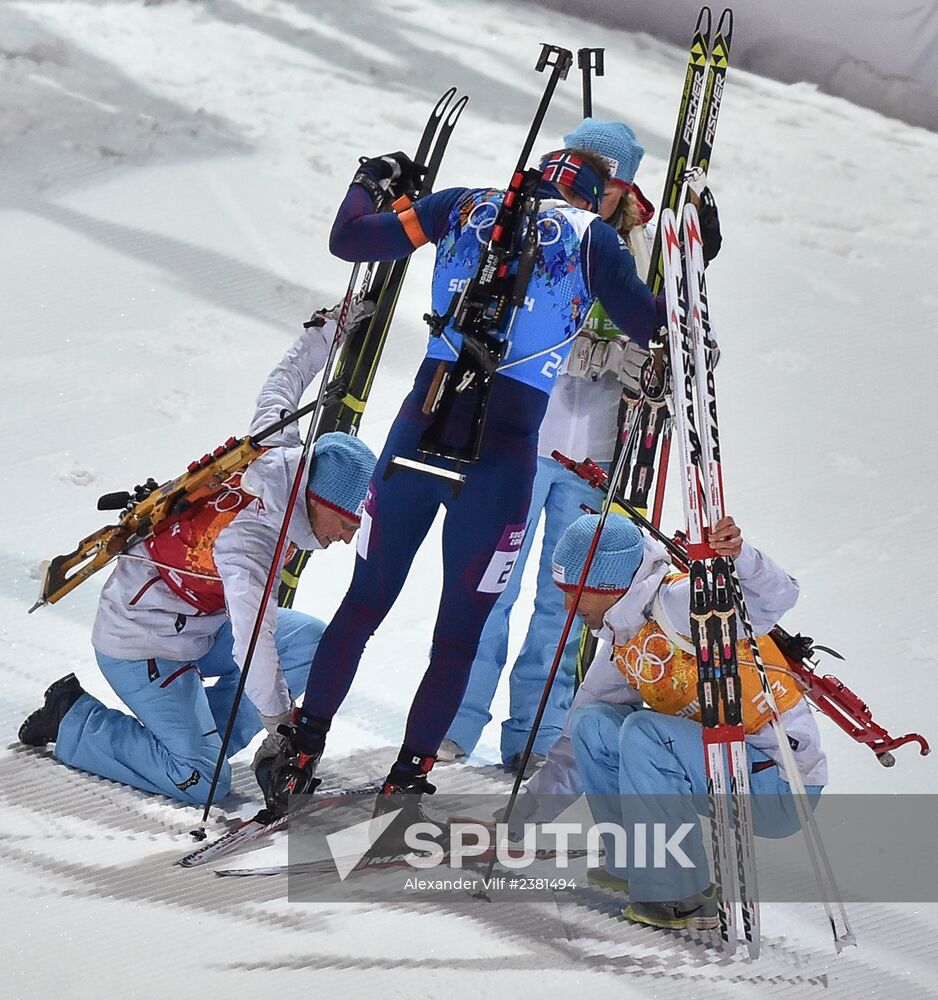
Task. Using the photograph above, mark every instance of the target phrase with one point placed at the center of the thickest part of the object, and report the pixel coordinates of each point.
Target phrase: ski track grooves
(580, 929)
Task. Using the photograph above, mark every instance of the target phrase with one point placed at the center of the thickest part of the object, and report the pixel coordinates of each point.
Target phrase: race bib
(364, 531)
(497, 573)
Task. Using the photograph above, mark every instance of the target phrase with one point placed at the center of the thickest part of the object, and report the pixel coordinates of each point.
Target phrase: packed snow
(169, 173)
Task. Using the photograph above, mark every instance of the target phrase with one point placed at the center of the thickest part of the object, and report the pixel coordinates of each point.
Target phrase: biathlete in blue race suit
(579, 258)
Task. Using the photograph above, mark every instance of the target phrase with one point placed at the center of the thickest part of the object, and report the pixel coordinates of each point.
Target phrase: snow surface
(168, 175)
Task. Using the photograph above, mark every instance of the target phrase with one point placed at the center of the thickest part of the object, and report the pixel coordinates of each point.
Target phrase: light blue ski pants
(172, 745)
(558, 493)
(639, 766)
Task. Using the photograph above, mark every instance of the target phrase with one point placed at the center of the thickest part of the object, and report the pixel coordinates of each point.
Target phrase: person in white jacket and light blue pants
(632, 741)
(181, 607)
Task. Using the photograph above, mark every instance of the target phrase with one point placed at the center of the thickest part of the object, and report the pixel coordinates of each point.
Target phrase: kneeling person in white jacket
(632, 740)
(182, 605)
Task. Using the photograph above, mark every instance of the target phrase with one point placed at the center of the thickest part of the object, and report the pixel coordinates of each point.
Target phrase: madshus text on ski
(563, 322)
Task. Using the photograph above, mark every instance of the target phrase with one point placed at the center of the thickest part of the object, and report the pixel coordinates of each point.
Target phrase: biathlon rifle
(827, 693)
(150, 506)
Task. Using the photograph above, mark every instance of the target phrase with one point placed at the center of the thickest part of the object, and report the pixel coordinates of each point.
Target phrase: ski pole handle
(589, 61)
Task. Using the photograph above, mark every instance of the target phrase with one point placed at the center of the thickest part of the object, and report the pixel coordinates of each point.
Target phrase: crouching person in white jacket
(181, 607)
(632, 740)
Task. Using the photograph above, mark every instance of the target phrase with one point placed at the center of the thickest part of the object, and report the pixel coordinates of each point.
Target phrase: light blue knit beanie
(614, 141)
(617, 558)
(339, 473)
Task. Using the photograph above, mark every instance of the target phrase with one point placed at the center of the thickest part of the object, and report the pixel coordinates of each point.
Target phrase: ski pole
(558, 655)
(273, 573)
(589, 61)
(653, 384)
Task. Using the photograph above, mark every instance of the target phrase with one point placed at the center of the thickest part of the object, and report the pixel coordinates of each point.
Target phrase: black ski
(713, 91)
(697, 122)
(682, 144)
(361, 351)
(379, 863)
(697, 117)
(253, 832)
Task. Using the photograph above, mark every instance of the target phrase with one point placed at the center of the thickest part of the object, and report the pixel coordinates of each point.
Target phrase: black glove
(393, 174)
(710, 237)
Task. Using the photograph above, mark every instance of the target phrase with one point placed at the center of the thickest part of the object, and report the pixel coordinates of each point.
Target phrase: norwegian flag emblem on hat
(562, 168)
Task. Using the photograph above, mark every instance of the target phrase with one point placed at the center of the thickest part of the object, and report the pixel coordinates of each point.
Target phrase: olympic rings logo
(644, 666)
(482, 218)
(230, 497)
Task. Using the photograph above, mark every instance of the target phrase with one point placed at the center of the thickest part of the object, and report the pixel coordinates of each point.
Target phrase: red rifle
(827, 693)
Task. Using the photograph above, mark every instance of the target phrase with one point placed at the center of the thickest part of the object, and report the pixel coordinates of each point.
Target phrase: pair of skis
(695, 129)
(373, 863)
(254, 833)
(717, 607)
(354, 373)
(691, 151)
(712, 607)
(344, 399)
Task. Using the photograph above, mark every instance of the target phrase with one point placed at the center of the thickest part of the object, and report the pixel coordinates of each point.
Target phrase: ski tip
(456, 111)
(443, 102)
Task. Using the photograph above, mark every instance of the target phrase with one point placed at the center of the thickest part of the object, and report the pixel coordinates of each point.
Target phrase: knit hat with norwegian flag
(615, 142)
(572, 171)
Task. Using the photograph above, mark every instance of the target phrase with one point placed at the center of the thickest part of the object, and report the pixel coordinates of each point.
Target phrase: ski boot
(403, 790)
(698, 912)
(292, 771)
(450, 752)
(42, 726)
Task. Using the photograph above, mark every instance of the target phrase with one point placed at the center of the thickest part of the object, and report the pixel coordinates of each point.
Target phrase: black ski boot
(404, 789)
(292, 771)
(42, 726)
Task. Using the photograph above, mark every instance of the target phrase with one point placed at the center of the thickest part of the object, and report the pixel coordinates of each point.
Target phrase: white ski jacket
(140, 617)
(769, 593)
(582, 415)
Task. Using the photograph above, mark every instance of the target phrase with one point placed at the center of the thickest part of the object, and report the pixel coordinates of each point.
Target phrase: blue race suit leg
(172, 745)
(482, 532)
(566, 492)
(492, 653)
(594, 733)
